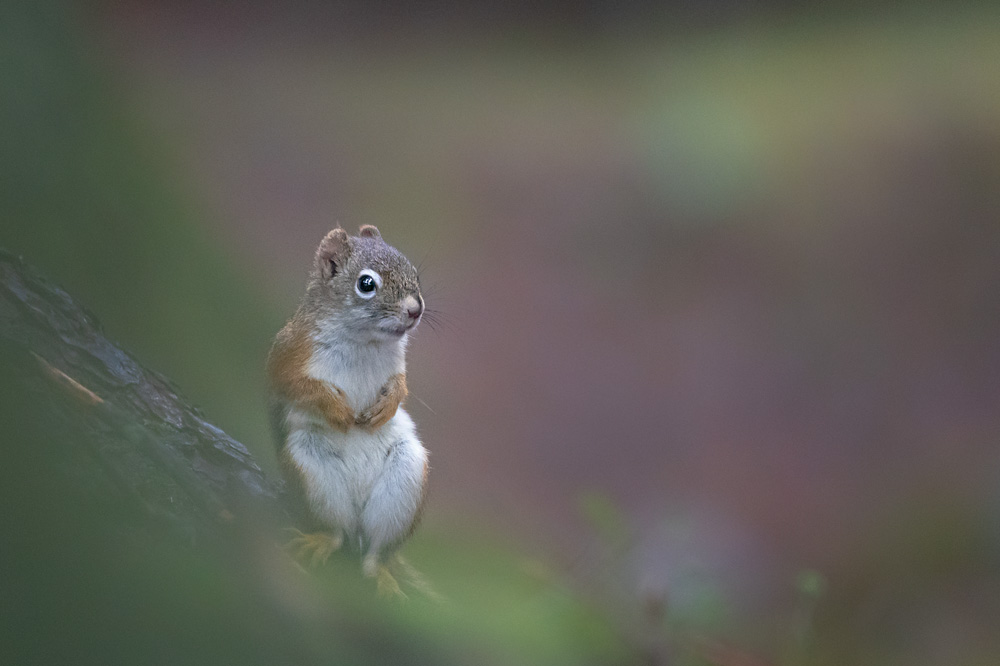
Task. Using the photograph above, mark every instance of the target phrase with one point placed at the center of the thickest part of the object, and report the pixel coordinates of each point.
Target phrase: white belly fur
(369, 485)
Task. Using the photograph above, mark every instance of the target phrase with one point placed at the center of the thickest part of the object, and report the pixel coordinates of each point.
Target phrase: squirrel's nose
(413, 307)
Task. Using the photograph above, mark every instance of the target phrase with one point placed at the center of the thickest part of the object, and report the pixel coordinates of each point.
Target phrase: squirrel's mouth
(396, 329)
(392, 326)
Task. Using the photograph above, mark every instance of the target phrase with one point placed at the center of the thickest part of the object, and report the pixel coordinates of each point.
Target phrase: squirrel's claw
(377, 415)
(316, 546)
(385, 583)
(384, 408)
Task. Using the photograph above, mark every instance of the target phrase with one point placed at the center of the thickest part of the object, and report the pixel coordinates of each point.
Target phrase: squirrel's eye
(367, 283)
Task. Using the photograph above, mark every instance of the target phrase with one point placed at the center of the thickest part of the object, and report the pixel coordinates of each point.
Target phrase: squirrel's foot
(316, 546)
(385, 583)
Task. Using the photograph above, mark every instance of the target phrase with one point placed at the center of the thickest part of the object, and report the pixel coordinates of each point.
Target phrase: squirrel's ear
(369, 231)
(331, 253)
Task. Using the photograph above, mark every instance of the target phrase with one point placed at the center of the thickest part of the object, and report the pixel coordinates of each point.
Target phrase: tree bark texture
(159, 451)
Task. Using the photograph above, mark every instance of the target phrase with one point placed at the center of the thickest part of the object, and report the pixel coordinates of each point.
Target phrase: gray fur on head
(340, 258)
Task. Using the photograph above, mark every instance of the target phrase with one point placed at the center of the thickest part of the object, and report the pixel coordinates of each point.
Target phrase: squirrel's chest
(360, 372)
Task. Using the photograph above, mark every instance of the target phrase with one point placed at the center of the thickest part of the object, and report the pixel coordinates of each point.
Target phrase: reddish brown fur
(286, 368)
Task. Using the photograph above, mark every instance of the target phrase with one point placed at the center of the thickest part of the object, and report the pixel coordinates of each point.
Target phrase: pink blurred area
(742, 272)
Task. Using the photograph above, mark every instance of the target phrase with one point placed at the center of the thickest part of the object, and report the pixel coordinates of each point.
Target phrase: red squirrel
(337, 378)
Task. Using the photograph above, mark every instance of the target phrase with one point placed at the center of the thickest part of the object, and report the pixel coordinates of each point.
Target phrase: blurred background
(718, 286)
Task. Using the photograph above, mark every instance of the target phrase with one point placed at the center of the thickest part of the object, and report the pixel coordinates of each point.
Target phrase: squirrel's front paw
(338, 411)
(384, 408)
(377, 415)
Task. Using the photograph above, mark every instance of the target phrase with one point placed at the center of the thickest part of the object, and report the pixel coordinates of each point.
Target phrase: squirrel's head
(371, 286)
